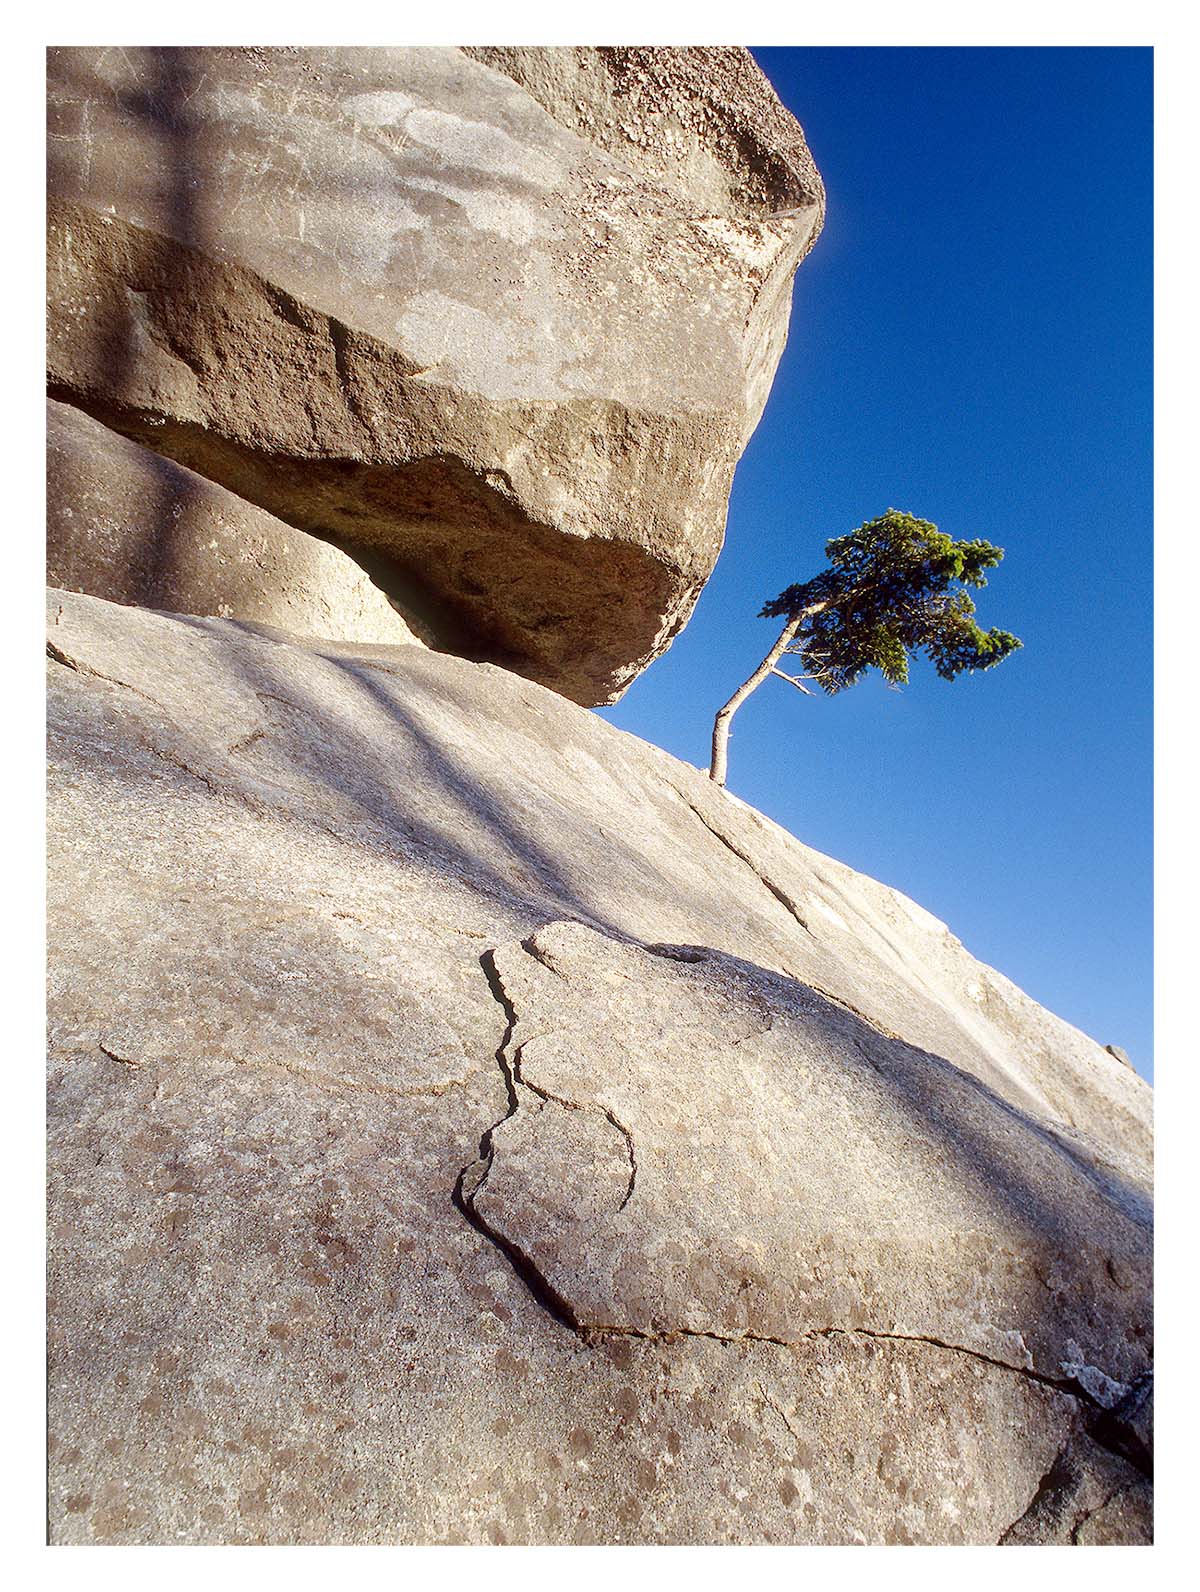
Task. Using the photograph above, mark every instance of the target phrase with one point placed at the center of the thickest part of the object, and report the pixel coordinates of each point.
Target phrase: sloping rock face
(127, 524)
(500, 322)
(468, 1124)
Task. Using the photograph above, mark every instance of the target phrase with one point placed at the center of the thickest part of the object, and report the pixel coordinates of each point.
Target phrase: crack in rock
(515, 1074)
(1065, 1385)
(633, 1167)
(781, 895)
(1056, 1478)
(77, 666)
(591, 1320)
(550, 1242)
(125, 1061)
(1089, 1514)
(222, 792)
(57, 655)
(769, 1403)
(466, 1192)
(578, 1105)
(474, 1177)
(245, 741)
(1060, 1506)
(1124, 1429)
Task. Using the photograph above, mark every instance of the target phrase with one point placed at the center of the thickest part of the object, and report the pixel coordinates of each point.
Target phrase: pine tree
(894, 586)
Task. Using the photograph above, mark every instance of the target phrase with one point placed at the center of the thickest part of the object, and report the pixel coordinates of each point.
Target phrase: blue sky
(971, 340)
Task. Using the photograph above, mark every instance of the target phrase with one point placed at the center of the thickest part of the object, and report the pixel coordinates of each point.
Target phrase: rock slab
(469, 1125)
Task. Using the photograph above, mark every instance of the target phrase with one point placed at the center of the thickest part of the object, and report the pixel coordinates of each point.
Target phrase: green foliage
(895, 586)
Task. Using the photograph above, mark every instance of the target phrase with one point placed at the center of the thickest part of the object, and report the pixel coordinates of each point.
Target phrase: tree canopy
(894, 586)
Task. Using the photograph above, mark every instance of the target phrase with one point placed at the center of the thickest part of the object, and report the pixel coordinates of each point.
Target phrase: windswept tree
(894, 586)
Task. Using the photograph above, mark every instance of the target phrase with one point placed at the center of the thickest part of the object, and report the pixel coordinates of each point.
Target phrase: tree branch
(791, 680)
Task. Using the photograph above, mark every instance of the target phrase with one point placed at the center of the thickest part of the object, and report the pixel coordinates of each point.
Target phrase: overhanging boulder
(500, 322)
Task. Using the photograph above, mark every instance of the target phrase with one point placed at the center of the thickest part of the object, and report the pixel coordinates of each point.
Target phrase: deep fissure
(1104, 1426)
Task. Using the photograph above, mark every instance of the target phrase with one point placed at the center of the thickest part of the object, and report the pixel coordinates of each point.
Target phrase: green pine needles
(895, 586)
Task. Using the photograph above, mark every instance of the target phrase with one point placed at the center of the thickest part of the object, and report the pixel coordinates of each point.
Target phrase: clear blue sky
(971, 340)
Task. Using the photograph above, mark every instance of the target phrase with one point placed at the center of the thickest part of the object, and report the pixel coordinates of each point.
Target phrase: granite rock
(127, 524)
(506, 348)
(697, 1147)
(469, 1125)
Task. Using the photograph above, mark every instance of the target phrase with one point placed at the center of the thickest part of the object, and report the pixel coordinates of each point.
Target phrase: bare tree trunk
(720, 737)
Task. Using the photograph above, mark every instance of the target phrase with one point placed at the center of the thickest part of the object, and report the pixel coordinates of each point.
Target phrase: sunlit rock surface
(499, 323)
(469, 1124)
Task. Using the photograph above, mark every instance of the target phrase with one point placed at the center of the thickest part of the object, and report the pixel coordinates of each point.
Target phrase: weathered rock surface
(1092, 1495)
(506, 341)
(127, 524)
(905, 1172)
(469, 1124)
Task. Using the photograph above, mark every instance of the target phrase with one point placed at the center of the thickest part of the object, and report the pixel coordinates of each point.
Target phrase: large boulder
(125, 523)
(470, 1124)
(500, 322)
